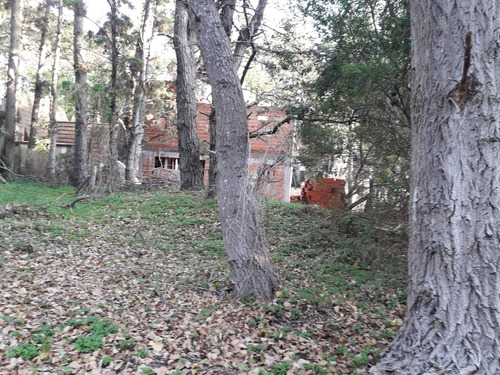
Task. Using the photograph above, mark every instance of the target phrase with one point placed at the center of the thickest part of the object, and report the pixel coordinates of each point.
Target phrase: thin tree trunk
(248, 32)
(244, 241)
(51, 163)
(113, 113)
(140, 92)
(453, 308)
(191, 171)
(227, 8)
(9, 141)
(39, 83)
(212, 157)
(80, 170)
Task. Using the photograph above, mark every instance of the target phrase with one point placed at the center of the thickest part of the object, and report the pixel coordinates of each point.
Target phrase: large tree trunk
(244, 242)
(191, 170)
(39, 82)
(140, 76)
(453, 313)
(51, 162)
(9, 141)
(80, 170)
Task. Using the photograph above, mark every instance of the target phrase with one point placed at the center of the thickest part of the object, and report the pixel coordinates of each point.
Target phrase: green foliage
(360, 99)
(39, 342)
(99, 328)
(128, 343)
(256, 347)
(26, 351)
(88, 344)
(106, 360)
(318, 369)
(148, 371)
(281, 368)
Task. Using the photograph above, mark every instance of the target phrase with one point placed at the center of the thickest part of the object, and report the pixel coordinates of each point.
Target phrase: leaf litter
(140, 285)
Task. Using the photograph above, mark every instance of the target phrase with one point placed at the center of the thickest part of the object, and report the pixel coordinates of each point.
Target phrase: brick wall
(269, 154)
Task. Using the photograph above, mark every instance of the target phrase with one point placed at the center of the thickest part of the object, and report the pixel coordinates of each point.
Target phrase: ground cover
(137, 283)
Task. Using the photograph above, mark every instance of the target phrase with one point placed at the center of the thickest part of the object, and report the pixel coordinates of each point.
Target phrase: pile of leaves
(137, 283)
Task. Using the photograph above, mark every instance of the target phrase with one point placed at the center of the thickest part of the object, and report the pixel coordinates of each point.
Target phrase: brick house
(269, 154)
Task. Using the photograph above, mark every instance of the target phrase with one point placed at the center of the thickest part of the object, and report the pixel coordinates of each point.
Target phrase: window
(166, 163)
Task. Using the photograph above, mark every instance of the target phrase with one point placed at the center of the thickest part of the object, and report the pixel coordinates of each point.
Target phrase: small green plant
(242, 366)
(148, 371)
(361, 360)
(128, 343)
(99, 327)
(318, 370)
(26, 351)
(281, 368)
(143, 353)
(39, 342)
(106, 360)
(386, 334)
(88, 344)
(341, 350)
(295, 313)
(256, 348)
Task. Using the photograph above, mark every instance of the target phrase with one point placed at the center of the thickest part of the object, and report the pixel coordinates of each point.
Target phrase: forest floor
(137, 283)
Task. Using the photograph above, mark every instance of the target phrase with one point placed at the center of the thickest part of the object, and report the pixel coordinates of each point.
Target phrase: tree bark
(244, 241)
(51, 162)
(113, 173)
(212, 157)
(39, 83)
(191, 171)
(80, 169)
(140, 76)
(245, 38)
(227, 8)
(453, 308)
(9, 141)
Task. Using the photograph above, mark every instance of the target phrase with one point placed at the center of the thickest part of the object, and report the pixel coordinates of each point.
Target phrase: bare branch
(274, 130)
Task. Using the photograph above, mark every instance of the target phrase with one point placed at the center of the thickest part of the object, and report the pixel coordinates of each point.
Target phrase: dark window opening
(167, 163)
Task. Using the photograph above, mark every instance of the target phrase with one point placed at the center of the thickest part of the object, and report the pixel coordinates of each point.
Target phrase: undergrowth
(342, 294)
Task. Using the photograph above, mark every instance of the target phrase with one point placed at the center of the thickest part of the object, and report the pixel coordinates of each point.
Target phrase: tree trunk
(140, 76)
(212, 157)
(80, 169)
(244, 241)
(248, 32)
(39, 83)
(191, 170)
(51, 162)
(245, 38)
(113, 173)
(453, 308)
(9, 141)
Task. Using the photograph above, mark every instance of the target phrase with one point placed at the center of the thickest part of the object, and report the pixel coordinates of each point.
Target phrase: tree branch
(71, 204)
(274, 130)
